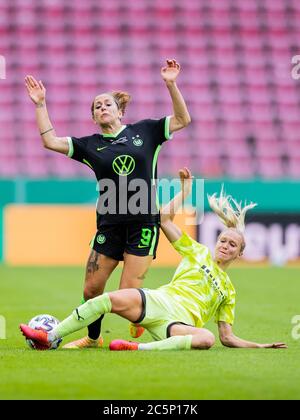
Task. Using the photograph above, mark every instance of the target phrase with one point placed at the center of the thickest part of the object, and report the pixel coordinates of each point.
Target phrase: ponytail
(230, 212)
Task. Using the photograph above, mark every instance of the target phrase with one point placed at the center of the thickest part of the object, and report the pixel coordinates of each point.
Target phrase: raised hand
(171, 71)
(35, 89)
(186, 179)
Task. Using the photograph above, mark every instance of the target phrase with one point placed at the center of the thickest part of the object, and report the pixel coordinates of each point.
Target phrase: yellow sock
(82, 316)
(177, 342)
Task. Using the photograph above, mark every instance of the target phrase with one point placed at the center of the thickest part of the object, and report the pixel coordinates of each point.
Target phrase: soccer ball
(43, 322)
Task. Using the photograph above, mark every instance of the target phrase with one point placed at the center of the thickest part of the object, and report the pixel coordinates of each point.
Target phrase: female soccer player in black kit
(123, 158)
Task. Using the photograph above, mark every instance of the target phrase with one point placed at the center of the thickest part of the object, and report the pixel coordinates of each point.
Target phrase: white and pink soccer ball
(44, 322)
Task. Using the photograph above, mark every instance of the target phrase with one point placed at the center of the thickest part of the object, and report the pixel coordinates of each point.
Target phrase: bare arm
(37, 93)
(168, 212)
(172, 231)
(228, 339)
(181, 117)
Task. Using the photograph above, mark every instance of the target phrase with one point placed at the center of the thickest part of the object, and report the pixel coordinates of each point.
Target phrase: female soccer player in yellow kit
(175, 314)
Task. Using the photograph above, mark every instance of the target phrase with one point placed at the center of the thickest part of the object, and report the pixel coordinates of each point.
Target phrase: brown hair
(120, 98)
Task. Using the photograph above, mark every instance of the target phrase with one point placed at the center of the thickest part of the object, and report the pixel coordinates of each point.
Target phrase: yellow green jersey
(199, 285)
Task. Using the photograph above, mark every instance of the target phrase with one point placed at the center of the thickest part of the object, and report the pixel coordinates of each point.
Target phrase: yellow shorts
(160, 312)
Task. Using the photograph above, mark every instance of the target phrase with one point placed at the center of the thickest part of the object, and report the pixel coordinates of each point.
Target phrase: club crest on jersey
(137, 141)
(101, 239)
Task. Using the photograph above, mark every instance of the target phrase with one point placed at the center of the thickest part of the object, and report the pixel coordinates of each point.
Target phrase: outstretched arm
(228, 339)
(181, 117)
(37, 94)
(168, 212)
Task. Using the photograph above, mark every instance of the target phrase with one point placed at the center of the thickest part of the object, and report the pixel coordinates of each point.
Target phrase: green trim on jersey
(93, 241)
(71, 148)
(153, 241)
(154, 163)
(167, 128)
(115, 134)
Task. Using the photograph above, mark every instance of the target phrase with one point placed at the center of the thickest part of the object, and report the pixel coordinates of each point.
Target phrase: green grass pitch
(267, 300)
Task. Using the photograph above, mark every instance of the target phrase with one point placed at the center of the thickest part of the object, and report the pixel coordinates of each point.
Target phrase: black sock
(94, 329)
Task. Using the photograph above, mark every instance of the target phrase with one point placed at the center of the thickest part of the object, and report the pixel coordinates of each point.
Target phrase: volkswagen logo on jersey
(123, 165)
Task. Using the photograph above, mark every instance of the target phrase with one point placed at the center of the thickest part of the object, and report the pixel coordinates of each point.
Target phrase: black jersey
(125, 165)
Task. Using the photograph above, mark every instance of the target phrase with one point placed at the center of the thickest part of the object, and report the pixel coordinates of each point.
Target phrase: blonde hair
(122, 99)
(230, 212)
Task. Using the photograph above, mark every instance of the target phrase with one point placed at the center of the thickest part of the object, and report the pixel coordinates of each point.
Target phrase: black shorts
(140, 239)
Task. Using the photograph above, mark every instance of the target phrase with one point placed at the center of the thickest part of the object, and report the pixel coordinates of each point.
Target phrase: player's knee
(205, 340)
(126, 302)
(209, 340)
(90, 292)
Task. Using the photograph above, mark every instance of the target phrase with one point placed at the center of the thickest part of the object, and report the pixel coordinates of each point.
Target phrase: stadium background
(242, 92)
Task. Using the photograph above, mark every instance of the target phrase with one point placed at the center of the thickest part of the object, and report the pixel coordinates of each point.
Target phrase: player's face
(106, 110)
(228, 246)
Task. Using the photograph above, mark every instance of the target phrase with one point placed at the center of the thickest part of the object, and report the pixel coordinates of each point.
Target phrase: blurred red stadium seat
(236, 64)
